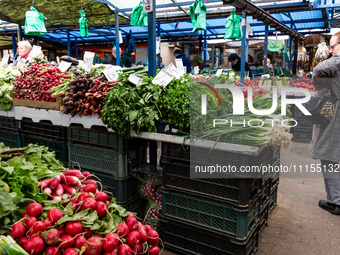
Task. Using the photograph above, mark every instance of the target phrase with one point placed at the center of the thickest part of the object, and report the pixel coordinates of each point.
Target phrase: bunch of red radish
(39, 235)
(36, 82)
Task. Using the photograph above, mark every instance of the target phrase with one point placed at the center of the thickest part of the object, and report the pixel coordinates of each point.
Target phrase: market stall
(99, 123)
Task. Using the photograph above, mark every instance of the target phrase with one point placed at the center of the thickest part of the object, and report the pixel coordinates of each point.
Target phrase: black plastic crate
(211, 215)
(273, 199)
(10, 138)
(238, 191)
(302, 134)
(136, 205)
(9, 123)
(187, 239)
(44, 129)
(53, 145)
(175, 162)
(108, 160)
(123, 190)
(98, 136)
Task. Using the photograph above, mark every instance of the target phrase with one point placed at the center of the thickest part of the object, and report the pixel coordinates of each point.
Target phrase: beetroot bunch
(37, 81)
(79, 219)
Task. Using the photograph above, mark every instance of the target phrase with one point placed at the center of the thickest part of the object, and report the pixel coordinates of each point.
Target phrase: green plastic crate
(187, 239)
(105, 160)
(122, 190)
(10, 138)
(53, 145)
(9, 123)
(211, 215)
(98, 138)
(44, 129)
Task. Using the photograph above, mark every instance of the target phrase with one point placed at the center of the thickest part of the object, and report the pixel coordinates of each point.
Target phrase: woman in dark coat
(326, 75)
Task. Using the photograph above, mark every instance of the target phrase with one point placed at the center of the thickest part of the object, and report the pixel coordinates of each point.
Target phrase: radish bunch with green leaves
(83, 221)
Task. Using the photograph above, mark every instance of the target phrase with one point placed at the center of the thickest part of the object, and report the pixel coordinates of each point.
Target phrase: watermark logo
(239, 97)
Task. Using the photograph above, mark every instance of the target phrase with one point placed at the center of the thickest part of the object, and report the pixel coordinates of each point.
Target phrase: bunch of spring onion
(251, 130)
(10, 247)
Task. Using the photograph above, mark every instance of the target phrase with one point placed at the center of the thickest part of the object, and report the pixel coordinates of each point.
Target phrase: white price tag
(165, 76)
(179, 62)
(110, 74)
(135, 79)
(196, 70)
(147, 6)
(88, 60)
(4, 61)
(265, 76)
(64, 66)
(219, 72)
(181, 71)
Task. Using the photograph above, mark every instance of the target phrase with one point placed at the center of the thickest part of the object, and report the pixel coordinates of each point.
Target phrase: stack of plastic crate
(47, 134)
(111, 158)
(215, 215)
(9, 132)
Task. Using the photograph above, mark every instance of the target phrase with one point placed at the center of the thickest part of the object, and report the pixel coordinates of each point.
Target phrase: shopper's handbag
(322, 109)
(34, 23)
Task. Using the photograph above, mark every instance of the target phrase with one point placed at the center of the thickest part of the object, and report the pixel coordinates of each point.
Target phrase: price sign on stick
(196, 70)
(4, 61)
(64, 66)
(165, 76)
(88, 60)
(179, 62)
(219, 72)
(135, 79)
(110, 74)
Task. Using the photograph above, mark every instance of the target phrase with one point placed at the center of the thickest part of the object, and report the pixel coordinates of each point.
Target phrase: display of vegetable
(303, 82)
(7, 76)
(36, 82)
(84, 222)
(76, 93)
(20, 170)
(131, 107)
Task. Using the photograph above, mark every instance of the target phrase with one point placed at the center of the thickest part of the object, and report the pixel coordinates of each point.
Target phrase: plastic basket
(240, 192)
(10, 138)
(187, 239)
(53, 145)
(99, 137)
(44, 129)
(211, 215)
(122, 190)
(105, 160)
(9, 123)
(136, 205)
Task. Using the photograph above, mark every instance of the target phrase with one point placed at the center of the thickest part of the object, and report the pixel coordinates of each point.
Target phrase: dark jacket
(126, 60)
(186, 62)
(237, 67)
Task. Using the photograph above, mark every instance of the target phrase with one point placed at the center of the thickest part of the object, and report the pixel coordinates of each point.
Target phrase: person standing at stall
(235, 61)
(24, 49)
(326, 76)
(186, 61)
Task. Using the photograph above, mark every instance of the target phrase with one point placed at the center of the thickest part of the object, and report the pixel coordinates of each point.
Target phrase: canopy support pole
(19, 33)
(212, 57)
(152, 69)
(14, 46)
(205, 49)
(159, 54)
(68, 43)
(76, 42)
(265, 50)
(296, 45)
(243, 47)
(117, 38)
(284, 50)
(290, 53)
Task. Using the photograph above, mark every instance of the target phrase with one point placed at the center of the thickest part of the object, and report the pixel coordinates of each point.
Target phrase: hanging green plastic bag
(84, 30)
(34, 23)
(233, 27)
(138, 17)
(198, 12)
(287, 56)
